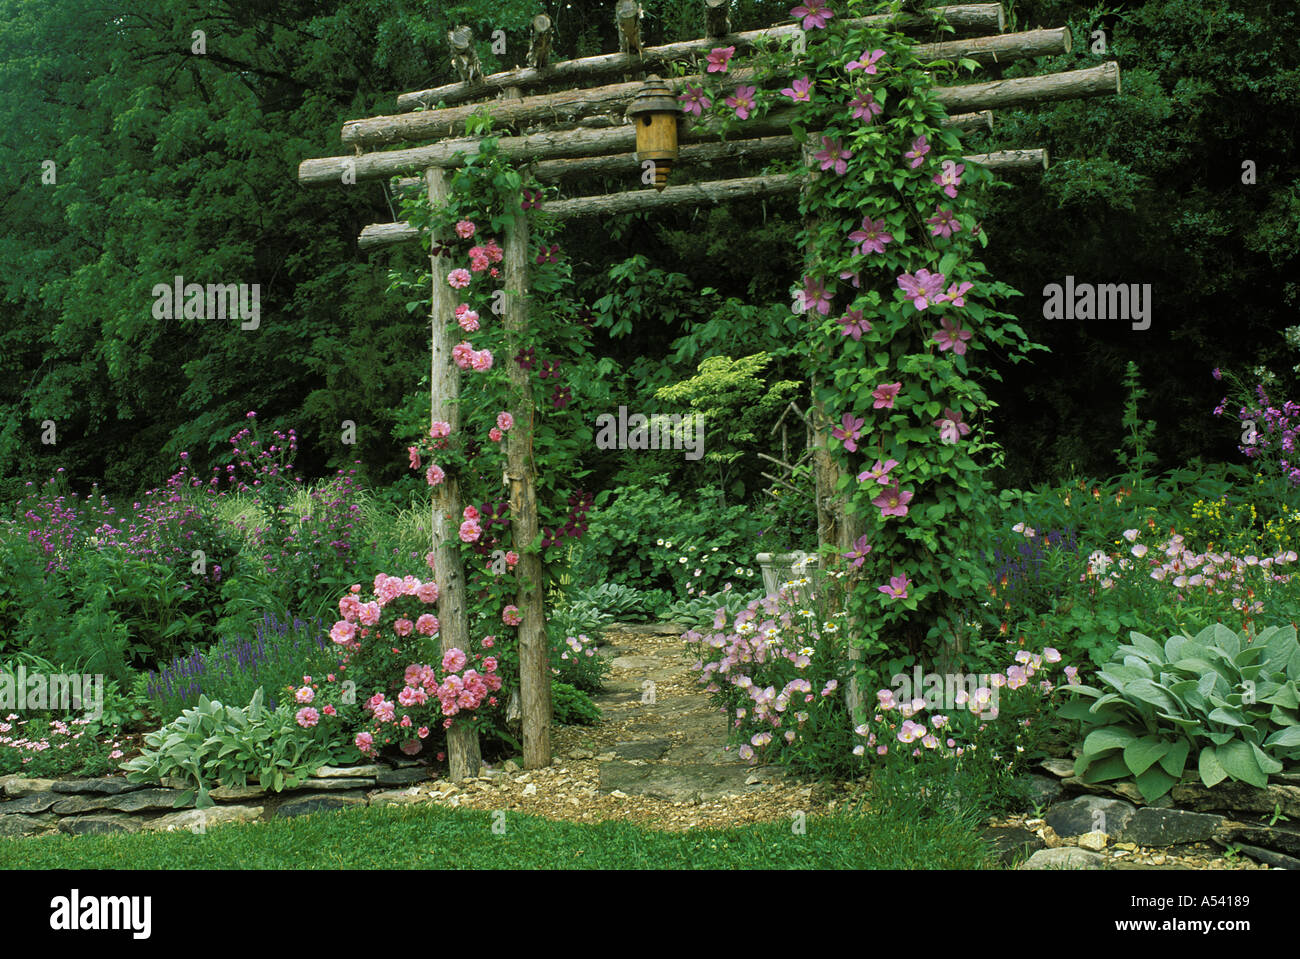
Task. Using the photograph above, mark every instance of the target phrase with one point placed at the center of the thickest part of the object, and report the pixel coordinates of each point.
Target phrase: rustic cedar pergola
(572, 126)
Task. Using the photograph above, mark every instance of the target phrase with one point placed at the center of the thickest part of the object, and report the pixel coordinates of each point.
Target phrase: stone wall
(33, 807)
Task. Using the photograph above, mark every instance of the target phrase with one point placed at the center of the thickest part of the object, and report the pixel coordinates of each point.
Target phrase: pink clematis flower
(800, 91)
(859, 551)
(851, 276)
(917, 154)
(866, 63)
(923, 288)
(956, 294)
(950, 178)
(813, 13)
(742, 102)
(896, 587)
(814, 296)
(865, 106)
(694, 101)
(892, 501)
(944, 223)
(951, 337)
(833, 155)
(885, 395)
(872, 237)
(854, 324)
(879, 472)
(718, 58)
(951, 428)
(850, 432)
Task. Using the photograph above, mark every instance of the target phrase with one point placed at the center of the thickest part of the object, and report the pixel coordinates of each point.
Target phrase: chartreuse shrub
(1222, 704)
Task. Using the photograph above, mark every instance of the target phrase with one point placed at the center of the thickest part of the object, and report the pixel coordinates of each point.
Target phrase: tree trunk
(534, 651)
(463, 754)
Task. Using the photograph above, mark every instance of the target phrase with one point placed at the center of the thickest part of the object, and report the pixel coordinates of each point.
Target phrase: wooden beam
(971, 122)
(967, 19)
(534, 651)
(464, 58)
(463, 754)
(1096, 81)
(450, 121)
(717, 18)
(539, 50)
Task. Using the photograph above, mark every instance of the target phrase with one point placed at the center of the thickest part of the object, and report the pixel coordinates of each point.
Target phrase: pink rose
(458, 279)
(342, 632)
(464, 229)
(470, 531)
(426, 625)
(403, 627)
(305, 695)
(510, 616)
(470, 512)
(495, 435)
(453, 661)
(434, 475)
(427, 592)
(307, 717)
(505, 421)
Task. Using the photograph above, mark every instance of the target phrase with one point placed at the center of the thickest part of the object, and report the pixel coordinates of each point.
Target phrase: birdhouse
(654, 111)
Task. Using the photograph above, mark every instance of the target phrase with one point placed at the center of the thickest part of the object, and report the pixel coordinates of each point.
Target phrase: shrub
(212, 744)
(624, 603)
(1222, 702)
(574, 662)
(572, 707)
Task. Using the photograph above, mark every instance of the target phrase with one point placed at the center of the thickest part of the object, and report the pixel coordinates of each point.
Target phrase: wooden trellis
(572, 126)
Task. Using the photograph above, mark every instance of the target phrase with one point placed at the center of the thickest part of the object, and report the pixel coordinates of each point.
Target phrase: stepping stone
(639, 663)
(100, 825)
(329, 785)
(301, 805)
(103, 787)
(1011, 842)
(646, 749)
(699, 753)
(675, 783)
(1065, 857)
(236, 793)
(1279, 838)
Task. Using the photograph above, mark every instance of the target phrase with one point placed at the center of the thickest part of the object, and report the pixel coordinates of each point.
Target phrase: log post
(539, 50)
(463, 754)
(534, 653)
(717, 18)
(464, 58)
(627, 18)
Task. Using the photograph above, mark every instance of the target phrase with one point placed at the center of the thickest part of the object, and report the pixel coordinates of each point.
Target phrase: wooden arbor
(572, 125)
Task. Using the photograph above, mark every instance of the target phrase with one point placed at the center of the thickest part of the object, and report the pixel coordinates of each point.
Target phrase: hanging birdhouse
(654, 111)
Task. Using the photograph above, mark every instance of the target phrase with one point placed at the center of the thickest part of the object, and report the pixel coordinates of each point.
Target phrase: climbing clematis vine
(718, 59)
(859, 552)
(885, 395)
(950, 337)
(872, 237)
(923, 288)
(855, 324)
(742, 102)
(833, 154)
(951, 428)
(950, 178)
(800, 91)
(879, 473)
(866, 63)
(917, 154)
(893, 501)
(865, 106)
(850, 432)
(813, 13)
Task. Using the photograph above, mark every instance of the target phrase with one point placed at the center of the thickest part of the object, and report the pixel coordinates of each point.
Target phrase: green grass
(434, 837)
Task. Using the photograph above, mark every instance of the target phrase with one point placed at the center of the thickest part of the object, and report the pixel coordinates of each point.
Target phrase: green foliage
(212, 744)
(737, 408)
(625, 604)
(572, 706)
(1138, 459)
(1221, 703)
(699, 612)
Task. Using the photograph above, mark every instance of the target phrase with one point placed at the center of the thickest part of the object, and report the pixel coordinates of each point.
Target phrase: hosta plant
(1221, 703)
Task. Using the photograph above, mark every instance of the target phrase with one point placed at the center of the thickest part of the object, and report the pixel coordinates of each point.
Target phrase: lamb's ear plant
(1221, 704)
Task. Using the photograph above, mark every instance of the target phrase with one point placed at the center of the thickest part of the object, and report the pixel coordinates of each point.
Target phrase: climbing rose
(813, 14)
(439, 429)
(453, 660)
(414, 454)
(470, 512)
(305, 694)
(923, 288)
(481, 360)
(495, 435)
(307, 717)
(427, 624)
(718, 58)
(427, 592)
(512, 558)
(458, 279)
(464, 229)
(470, 531)
(510, 616)
(505, 421)
(434, 474)
(463, 355)
(342, 632)
(469, 321)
